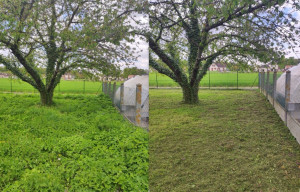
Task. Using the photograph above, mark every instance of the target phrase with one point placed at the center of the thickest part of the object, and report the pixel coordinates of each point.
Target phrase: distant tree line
(283, 61)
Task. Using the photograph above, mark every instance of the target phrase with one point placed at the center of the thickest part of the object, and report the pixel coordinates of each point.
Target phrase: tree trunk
(46, 98)
(190, 94)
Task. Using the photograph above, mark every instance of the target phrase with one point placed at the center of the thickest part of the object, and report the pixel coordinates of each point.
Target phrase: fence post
(209, 79)
(156, 81)
(11, 84)
(237, 79)
(263, 81)
(122, 97)
(84, 86)
(138, 104)
(267, 84)
(287, 93)
(274, 85)
(102, 86)
(114, 90)
(259, 81)
(109, 89)
(105, 88)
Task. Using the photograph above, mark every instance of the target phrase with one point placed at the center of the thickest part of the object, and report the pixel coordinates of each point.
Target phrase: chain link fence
(132, 101)
(283, 92)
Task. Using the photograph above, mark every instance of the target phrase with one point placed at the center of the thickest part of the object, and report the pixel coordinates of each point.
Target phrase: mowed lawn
(82, 143)
(213, 79)
(230, 141)
(70, 86)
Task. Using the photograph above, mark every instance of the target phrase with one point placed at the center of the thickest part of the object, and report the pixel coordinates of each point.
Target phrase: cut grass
(71, 87)
(230, 141)
(217, 79)
(81, 143)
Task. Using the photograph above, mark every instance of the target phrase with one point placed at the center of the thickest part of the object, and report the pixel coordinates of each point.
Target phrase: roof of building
(220, 65)
(5, 74)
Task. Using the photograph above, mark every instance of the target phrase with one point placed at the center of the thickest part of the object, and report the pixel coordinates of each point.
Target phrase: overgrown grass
(230, 141)
(75, 86)
(217, 79)
(80, 144)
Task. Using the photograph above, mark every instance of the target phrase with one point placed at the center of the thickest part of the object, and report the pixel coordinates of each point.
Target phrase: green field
(212, 79)
(233, 140)
(76, 86)
(81, 143)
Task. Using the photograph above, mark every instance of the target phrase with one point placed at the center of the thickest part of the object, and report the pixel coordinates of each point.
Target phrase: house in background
(131, 76)
(218, 67)
(287, 67)
(68, 76)
(4, 75)
(267, 67)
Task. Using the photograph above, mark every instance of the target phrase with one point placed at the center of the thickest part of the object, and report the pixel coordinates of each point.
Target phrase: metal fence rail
(277, 90)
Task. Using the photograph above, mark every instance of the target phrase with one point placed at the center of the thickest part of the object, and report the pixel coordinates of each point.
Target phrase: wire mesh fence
(78, 86)
(283, 92)
(212, 79)
(133, 102)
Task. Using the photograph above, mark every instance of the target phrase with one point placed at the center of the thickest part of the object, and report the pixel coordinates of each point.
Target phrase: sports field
(211, 79)
(75, 86)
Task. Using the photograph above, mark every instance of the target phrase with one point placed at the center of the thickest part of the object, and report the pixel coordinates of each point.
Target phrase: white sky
(296, 52)
(143, 58)
(141, 45)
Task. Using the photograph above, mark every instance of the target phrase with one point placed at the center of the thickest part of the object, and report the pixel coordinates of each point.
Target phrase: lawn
(80, 144)
(75, 86)
(231, 141)
(212, 79)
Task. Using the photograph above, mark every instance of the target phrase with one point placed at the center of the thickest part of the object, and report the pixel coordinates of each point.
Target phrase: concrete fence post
(138, 104)
(122, 97)
(263, 81)
(105, 88)
(109, 89)
(287, 93)
(267, 85)
(237, 79)
(259, 81)
(113, 93)
(274, 86)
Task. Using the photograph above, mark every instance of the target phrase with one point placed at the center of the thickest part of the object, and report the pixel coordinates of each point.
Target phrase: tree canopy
(133, 71)
(60, 35)
(201, 32)
(283, 61)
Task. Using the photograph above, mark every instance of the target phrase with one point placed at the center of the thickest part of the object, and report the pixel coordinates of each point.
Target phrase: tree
(283, 61)
(62, 35)
(133, 71)
(201, 32)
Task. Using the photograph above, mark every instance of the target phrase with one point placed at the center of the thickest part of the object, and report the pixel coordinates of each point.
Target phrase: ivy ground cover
(80, 144)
